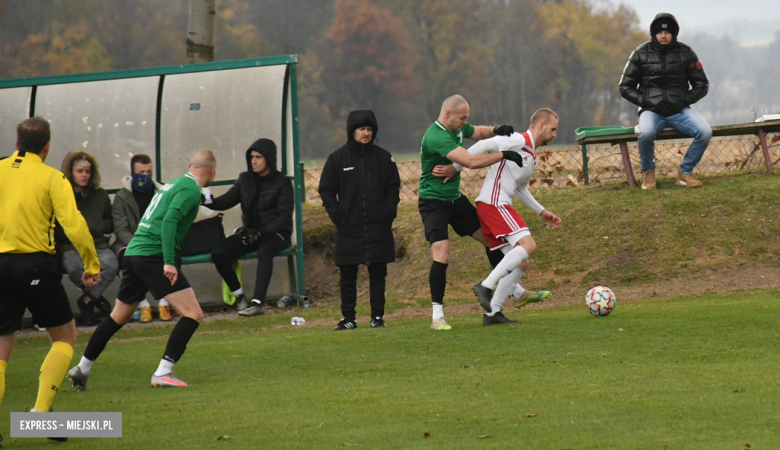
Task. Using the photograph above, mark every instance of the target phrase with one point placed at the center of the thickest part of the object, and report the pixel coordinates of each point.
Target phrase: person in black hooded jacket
(664, 78)
(267, 202)
(359, 188)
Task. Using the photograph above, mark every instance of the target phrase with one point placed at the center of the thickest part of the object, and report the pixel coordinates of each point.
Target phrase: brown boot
(687, 180)
(649, 182)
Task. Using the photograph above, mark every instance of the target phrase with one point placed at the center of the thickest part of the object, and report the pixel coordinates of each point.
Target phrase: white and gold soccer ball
(600, 301)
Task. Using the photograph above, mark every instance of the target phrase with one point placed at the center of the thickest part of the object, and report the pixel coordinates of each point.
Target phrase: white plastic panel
(223, 111)
(14, 107)
(112, 120)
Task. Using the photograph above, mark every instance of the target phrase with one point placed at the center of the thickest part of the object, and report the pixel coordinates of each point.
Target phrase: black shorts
(145, 273)
(437, 214)
(31, 281)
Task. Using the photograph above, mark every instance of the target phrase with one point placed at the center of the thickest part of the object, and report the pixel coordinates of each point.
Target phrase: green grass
(611, 235)
(698, 372)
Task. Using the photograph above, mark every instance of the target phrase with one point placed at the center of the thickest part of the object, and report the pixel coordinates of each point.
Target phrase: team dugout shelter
(168, 113)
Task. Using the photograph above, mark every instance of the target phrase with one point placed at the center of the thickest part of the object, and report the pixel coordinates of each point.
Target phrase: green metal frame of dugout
(170, 112)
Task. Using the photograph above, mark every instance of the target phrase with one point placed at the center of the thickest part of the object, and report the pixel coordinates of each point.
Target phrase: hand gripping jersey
(506, 180)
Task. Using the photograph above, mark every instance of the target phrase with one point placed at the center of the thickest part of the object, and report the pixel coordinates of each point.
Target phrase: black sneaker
(255, 308)
(242, 303)
(378, 323)
(484, 295)
(85, 308)
(345, 324)
(497, 319)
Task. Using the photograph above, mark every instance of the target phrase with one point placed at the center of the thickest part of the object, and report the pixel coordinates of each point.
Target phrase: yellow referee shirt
(32, 195)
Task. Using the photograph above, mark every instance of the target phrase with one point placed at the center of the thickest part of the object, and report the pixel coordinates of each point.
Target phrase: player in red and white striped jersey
(501, 224)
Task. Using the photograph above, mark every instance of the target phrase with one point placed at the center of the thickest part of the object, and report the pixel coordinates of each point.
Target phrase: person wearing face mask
(81, 169)
(129, 206)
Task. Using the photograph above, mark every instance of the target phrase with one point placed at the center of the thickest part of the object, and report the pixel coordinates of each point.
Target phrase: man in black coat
(359, 189)
(267, 202)
(664, 78)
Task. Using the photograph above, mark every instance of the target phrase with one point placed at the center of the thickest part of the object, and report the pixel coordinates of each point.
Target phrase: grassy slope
(641, 244)
(684, 373)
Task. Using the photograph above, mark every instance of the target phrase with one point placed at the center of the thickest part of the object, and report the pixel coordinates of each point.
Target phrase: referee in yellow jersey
(32, 195)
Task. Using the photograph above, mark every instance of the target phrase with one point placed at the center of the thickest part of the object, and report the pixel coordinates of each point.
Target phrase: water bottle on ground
(298, 321)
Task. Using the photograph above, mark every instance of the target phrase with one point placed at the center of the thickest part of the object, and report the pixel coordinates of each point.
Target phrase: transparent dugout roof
(112, 120)
(14, 107)
(220, 111)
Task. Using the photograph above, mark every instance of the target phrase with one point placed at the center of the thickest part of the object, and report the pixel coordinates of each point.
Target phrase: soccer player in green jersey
(441, 202)
(152, 262)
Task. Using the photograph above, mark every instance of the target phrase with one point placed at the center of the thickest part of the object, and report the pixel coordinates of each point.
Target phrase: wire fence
(560, 167)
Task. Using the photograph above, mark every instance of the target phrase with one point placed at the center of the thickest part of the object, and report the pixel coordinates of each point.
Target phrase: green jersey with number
(167, 220)
(436, 144)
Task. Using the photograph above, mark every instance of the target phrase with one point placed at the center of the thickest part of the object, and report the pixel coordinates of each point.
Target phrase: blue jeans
(687, 122)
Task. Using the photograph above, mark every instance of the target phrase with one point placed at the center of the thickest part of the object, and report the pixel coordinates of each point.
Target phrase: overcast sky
(750, 22)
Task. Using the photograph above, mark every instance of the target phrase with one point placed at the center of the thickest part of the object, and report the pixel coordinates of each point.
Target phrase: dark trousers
(232, 248)
(348, 284)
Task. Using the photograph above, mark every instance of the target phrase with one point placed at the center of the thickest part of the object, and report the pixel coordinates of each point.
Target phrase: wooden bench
(621, 135)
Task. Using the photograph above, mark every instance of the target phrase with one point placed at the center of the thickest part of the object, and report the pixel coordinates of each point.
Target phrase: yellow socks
(53, 371)
(3, 365)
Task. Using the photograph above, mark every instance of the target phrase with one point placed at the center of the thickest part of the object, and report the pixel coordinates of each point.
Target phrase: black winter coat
(360, 191)
(657, 77)
(274, 206)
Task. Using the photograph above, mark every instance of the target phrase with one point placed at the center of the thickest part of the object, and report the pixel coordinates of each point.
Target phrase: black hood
(358, 119)
(265, 147)
(664, 21)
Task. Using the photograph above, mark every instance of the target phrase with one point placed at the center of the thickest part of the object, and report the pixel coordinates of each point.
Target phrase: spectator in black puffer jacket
(359, 189)
(267, 202)
(664, 78)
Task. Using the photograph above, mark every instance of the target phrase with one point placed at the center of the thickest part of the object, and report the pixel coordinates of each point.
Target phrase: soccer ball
(600, 301)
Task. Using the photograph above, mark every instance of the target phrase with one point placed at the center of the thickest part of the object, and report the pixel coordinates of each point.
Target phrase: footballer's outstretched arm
(525, 197)
(473, 161)
(480, 148)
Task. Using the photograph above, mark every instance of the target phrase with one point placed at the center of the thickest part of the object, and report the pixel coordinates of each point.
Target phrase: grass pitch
(685, 373)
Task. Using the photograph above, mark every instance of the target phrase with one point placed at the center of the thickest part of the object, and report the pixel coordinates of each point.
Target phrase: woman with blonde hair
(81, 169)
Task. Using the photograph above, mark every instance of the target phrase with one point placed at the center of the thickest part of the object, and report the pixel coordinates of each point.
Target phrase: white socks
(145, 303)
(518, 292)
(85, 365)
(510, 262)
(505, 288)
(438, 311)
(238, 291)
(164, 368)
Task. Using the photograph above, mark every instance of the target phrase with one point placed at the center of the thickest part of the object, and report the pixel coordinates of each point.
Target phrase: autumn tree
(450, 55)
(366, 56)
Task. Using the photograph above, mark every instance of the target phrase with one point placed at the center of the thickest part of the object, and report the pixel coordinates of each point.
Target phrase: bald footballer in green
(167, 220)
